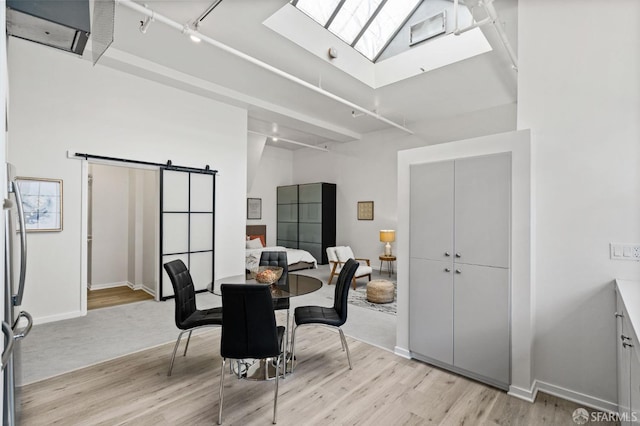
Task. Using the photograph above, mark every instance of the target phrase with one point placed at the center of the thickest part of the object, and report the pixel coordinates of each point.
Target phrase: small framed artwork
(365, 210)
(254, 208)
(42, 203)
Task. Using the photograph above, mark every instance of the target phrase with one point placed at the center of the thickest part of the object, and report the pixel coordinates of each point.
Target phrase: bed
(256, 244)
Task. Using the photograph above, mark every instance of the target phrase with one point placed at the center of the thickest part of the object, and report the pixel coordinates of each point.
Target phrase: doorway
(122, 240)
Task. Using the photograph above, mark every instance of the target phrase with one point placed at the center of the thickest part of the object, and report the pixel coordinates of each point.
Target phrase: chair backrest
(249, 326)
(342, 289)
(331, 254)
(276, 258)
(344, 253)
(185, 294)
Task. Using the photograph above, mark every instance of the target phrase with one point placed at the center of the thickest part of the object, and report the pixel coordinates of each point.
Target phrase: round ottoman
(380, 291)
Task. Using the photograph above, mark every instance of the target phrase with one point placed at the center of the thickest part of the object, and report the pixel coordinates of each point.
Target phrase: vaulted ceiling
(282, 107)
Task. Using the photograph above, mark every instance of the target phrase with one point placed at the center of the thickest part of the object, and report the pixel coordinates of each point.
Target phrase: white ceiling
(273, 102)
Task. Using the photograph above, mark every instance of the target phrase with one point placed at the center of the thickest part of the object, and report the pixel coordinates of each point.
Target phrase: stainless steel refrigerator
(16, 323)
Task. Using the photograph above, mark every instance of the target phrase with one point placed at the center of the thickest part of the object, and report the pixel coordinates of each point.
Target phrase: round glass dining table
(295, 285)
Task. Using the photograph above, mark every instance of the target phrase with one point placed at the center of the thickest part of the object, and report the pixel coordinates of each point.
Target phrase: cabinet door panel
(481, 321)
(310, 233)
(288, 194)
(623, 356)
(431, 210)
(634, 376)
(287, 212)
(310, 193)
(482, 209)
(634, 383)
(431, 309)
(310, 213)
(287, 231)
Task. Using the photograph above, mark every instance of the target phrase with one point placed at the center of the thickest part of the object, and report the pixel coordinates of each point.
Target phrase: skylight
(366, 25)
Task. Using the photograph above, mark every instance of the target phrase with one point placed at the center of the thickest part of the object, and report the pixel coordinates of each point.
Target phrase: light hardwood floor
(115, 296)
(382, 389)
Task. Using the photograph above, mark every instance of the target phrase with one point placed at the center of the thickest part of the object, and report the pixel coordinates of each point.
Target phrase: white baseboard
(528, 395)
(57, 317)
(147, 290)
(577, 397)
(109, 285)
(404, 353)
(132, 286)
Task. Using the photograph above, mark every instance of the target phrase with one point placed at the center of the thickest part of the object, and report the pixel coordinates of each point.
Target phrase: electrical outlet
(624, 251)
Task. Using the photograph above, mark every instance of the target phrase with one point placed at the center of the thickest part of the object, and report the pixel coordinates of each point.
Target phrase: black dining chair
(187, 316)
(249, 330)
(279, 258)
(334, 316)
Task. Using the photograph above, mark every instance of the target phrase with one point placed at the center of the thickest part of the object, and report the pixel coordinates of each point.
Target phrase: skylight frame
(395, 33)
(365, 27)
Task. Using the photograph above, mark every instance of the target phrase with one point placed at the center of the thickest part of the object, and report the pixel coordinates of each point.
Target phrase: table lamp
(387, 236)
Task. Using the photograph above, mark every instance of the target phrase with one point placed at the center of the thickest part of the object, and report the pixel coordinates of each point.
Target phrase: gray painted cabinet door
(460, 219)
(431, 309)
(432, 211)
(482, 210)
(481, 321)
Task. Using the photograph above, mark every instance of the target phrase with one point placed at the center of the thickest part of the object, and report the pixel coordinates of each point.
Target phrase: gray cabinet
(307, 218)
(628, 360)
(459, 266)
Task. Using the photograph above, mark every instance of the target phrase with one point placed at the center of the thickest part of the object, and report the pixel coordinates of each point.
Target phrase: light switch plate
(624, 251)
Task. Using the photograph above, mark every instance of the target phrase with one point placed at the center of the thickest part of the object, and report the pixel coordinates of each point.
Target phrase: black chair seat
(317, 315)
(202, 317)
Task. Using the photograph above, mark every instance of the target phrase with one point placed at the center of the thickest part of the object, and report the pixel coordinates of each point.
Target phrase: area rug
(358, 297)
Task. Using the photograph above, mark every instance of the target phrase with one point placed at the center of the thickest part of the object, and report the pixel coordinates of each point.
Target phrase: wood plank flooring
(115, 296)
(382, 389)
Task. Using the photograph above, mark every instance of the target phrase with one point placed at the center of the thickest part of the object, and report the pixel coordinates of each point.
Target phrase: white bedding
(252, 258)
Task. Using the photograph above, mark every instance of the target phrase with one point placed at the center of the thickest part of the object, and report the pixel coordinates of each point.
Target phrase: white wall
(110, 238)
(579, 93)
(60, 102)
(366, 170)
(150, 231)
(274, 169)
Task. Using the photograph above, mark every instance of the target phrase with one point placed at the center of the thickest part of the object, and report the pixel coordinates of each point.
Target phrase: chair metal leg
(221, 391)
(293, 348)
(275, 398)
(344, 342)
(286, 345)
(175, 348)
(187, 345)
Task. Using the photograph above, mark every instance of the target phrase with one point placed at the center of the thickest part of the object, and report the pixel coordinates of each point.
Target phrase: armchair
(338, 256)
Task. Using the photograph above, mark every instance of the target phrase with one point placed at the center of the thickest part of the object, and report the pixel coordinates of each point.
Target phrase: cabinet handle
(458, 271)
(626, 345)
(447, 254)
(447, 270)
(619, 315)
(458, 255)
(623, 337)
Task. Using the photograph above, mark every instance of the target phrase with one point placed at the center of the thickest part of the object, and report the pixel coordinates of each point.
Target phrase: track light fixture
(144, 25)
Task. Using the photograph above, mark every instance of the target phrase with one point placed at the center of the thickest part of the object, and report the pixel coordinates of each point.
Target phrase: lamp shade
(387, 235)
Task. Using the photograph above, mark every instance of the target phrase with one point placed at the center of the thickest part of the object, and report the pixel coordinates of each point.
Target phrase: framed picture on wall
(254, 208)
(42, 203)
(365, 210)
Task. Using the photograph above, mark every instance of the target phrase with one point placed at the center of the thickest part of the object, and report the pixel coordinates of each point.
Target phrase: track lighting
(144, 25)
